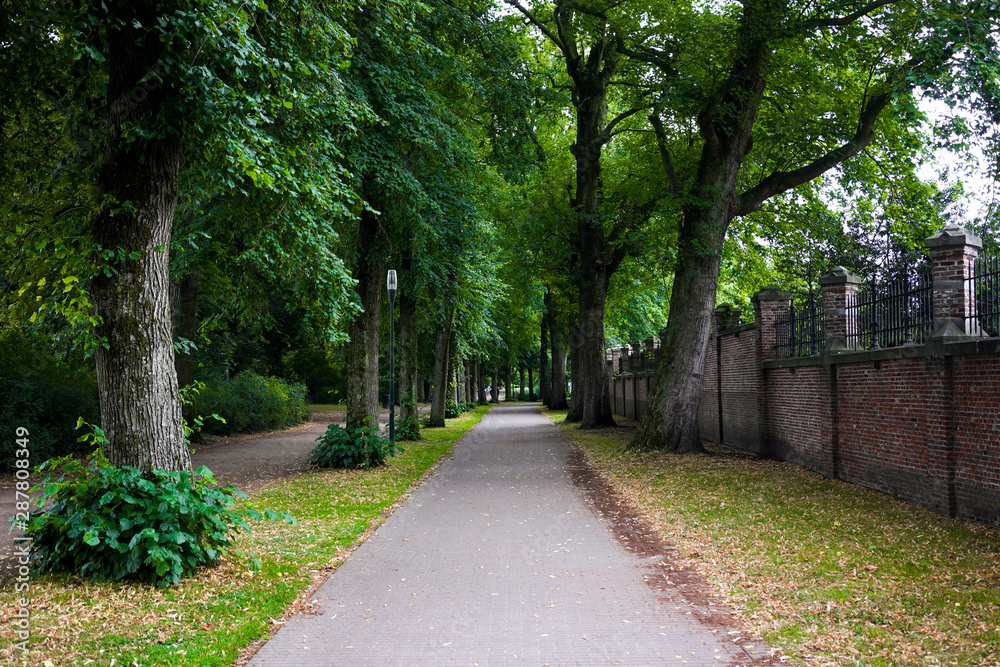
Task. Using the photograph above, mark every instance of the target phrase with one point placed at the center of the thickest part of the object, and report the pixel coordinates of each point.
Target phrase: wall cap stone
(771, 293)
(840, 276)
(954, 235)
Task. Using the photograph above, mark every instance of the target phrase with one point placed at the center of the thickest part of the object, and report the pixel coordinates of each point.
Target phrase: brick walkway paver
(497, 559)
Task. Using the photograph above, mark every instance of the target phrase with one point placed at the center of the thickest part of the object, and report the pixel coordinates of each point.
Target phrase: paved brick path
(498, 559)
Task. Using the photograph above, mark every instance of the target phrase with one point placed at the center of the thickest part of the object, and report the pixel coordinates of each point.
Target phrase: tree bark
(442, 345)
(481, 381)
(521, 395)
(557, 397)
(575, 413)
(408, 359)
(596, 266)
(508, 384)
(670, 419)
(137, 187)
(495, 388)
(543, 356)
(531, 385)
(362, 350)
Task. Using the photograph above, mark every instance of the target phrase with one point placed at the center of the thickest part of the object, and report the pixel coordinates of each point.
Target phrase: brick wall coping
(931, 349)
(749, 326)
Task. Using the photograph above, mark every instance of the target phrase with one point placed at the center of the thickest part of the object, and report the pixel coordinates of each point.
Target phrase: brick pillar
(840, 289)
(725, 316)
(952, 250)
(767, 305)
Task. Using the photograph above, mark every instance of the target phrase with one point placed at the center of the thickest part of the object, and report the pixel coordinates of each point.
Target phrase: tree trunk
(481, 381)
(187, 323)
(575, 413)
(531, 385)
(508, 388)
(557, 388)
(495, 389)
(591, 398)
(543, 355)
(441, 357)
(520, 395)
(137, 188)
(408, 361)
(362, 350)
(670, 419)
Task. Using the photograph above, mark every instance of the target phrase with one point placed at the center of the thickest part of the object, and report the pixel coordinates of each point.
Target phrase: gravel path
(508, 555)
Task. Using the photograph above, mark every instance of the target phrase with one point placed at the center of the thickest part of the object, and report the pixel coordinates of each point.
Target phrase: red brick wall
(977, 437)
(742, 380)
(893, 425)
(800, 418)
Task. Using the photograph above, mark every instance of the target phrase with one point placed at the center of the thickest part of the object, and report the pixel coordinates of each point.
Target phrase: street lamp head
(390, 283)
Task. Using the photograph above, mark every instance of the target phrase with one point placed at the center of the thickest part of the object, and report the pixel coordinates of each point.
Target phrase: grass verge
(211, 618)
(830, 573)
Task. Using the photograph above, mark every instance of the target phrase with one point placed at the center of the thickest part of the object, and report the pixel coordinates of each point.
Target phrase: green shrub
(352, 447)
(109, 523)
(465, 406)
(451, 409)
(250, 403)
(409, 428)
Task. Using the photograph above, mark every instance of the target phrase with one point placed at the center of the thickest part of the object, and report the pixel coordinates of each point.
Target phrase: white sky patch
(981, 191)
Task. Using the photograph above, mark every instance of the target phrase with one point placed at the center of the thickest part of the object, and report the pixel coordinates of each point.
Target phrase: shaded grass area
(212, 617)
(828, 572)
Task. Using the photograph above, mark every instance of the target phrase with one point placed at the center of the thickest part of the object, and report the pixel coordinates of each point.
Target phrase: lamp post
(390, 284)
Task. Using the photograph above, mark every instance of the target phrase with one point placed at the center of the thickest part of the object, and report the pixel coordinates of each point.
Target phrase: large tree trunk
(481, 382)
(575, 413)
(543, 356)
(557, 398)
(531, 385)
(591, 399)
(508, 388)
(521, 395)
(137, 188)
(670, 419)
(441, 356)
(408, 361)
(495, 390)
(362, 350)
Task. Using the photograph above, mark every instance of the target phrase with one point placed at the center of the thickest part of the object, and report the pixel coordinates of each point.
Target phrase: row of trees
(548, 178)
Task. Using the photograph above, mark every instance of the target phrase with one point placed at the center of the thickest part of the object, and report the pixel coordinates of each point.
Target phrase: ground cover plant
(828, 572)
(352, 447)
(210, 618)
(109, 523)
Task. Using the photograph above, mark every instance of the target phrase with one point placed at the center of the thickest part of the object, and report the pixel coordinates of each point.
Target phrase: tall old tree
(137, 185)
(806, 86)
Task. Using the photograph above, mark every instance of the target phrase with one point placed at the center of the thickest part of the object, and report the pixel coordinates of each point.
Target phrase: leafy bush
(109, 523)
(465, 406)
(251, 403)
(352, 447)
(409, 428)
(451, 410)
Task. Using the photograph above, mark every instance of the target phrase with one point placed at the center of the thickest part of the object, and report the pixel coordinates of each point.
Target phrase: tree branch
(608, 129)
(665, 158)
(781, 181)
(537, 23)
(838, 22)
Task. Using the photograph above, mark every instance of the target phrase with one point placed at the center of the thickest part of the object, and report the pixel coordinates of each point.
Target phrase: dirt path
(248, 461)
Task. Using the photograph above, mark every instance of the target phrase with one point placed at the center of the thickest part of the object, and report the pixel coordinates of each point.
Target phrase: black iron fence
(982, 290)
(799, 332)
(895, 312)
(638, 357)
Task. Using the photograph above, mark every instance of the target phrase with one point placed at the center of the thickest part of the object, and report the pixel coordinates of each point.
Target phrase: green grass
(828, 572)
(326, 407)
(209, 619)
